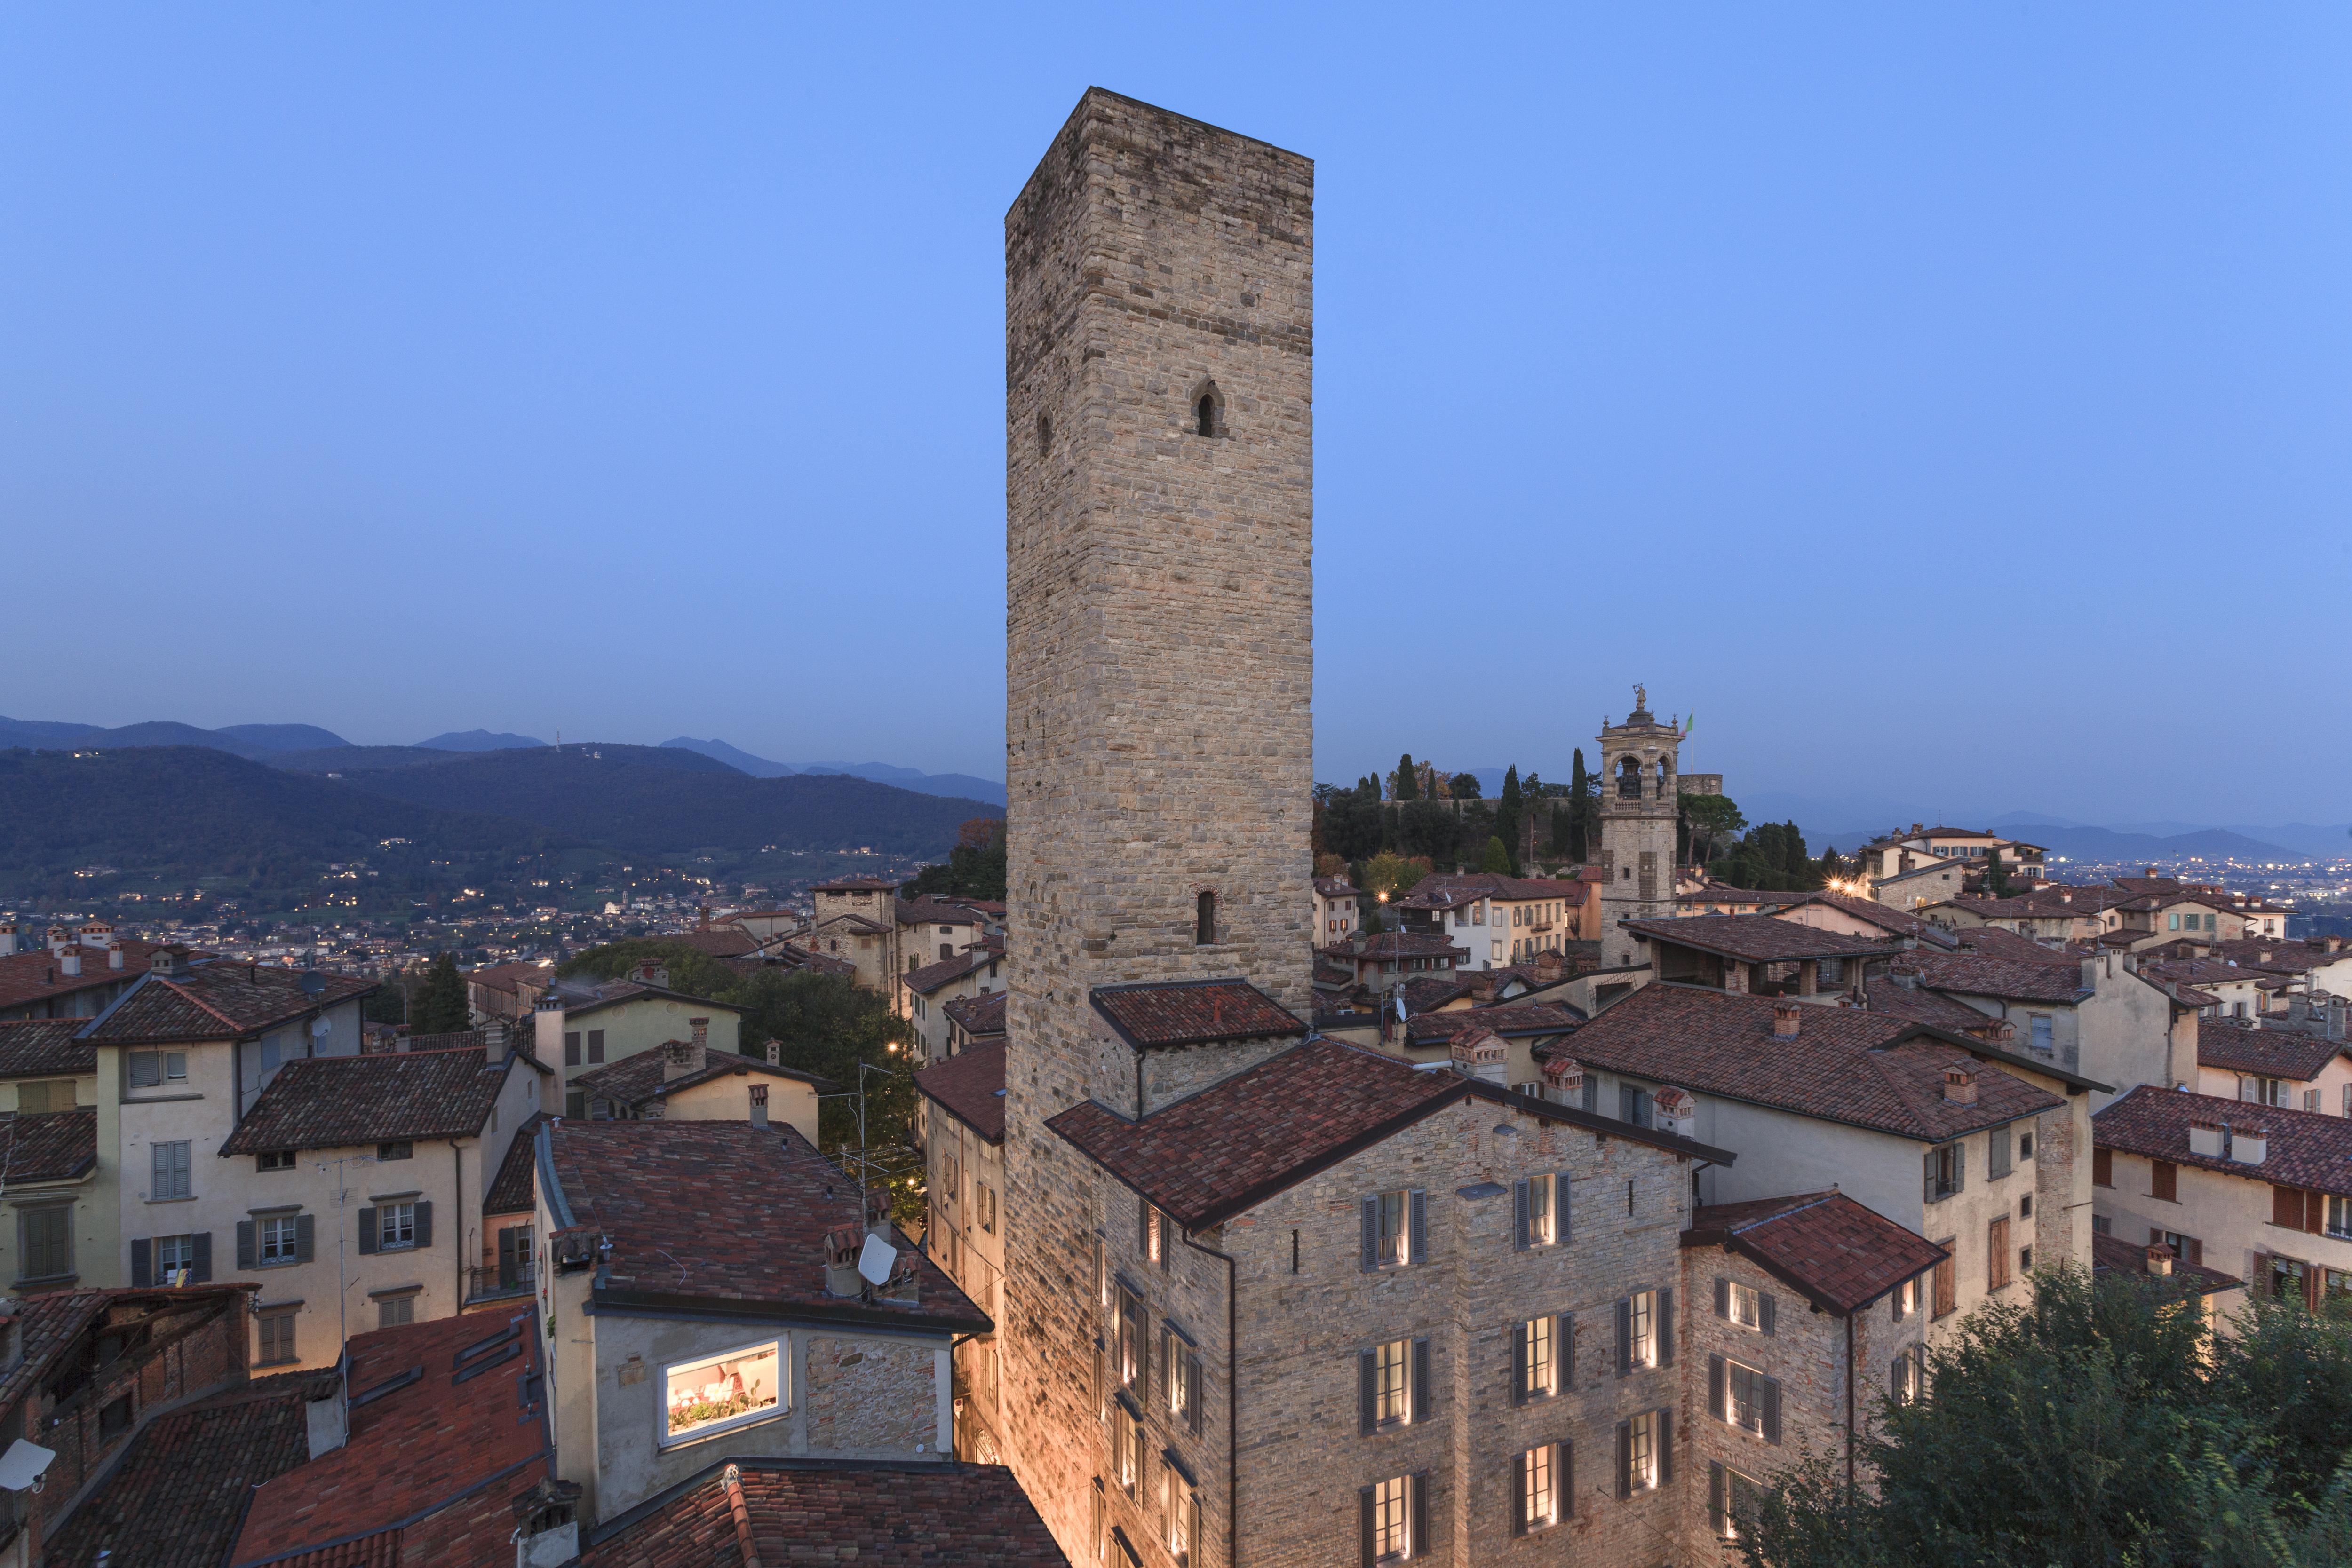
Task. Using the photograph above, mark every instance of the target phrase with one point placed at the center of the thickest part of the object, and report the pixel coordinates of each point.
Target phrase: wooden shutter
(1518, 1494)
(2196, 1251)
(244, 1249)
(1771, 1409)
(1767, 1312)
(1894, 1374)
(1560, 1232)
(1722, 1297)
(303, 1227)
(572, 1047)
(1996, 1154)
(1519, 1363)
(367, 1230)
(1666, 1326)
(1367, 1391)
(2103, 1167)
(1416, 1513)
(2314, 1212)
(1715, 1497)
(200, 1261)
(1371, 1213)
(1927, 1179)
(1372, 1538)
(1717, 1395)
(1665, 1448)
(1960, 1167)
(1624, 1336)
(1519, 1213)
(1418, 1249)
(1997, 1254)
(595, 1046)
(1564, 1352)
(1418, 1391)
(2164, 1180)
(2286, 1206)
(1624, 1460)
(1946, 1296)
(142, 1267)
(1566, 1474)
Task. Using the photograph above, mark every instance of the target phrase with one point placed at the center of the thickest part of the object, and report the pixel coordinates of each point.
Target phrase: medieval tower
(1640, 801)
(1158, 498)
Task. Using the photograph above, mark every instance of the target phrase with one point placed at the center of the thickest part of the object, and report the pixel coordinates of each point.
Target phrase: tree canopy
(973, 869)
(441, 1006)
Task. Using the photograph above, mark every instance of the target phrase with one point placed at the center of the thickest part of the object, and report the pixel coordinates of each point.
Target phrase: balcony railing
(492, 1283)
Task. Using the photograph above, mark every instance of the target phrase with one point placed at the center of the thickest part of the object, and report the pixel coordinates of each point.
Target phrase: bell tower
(1640, 801)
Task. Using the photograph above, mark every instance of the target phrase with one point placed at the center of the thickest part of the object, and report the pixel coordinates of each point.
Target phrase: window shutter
(1771, 1409)
(2102, 1165)
(1564, 1352)
(1666, 1326)
(572, 1047)
(1416, 1498)
(200, 1264)
(302, 1229)
(1372, 1211)
(1996, 1154)
(1418, 1249)
(159, 1181)
(1624, 1460)
(1960, 1167)
(424, 1223)
(1624, 1336)
(1716, 1489)
(1559, 1207)
(1665, 1448)
(1714, 1387)
(1371, 1542)
(1722, 1297)
(2314, 1209)
(367, 1230)
(1927, 1183)
(1567, 1473)
(1367, 1401)
(1518, 1494)
(1519, 1363)
(2196, 1251)
(1192, 1547)
(143, 1269)
(1765, 1312)
(1895, 1375)
(1420, 1391)
(244, 1244)
(1519, 1213)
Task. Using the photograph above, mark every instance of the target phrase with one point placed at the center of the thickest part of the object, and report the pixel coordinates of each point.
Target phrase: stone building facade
(1640, 799)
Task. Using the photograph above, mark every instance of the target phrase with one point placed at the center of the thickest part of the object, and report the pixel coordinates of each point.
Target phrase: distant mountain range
(476, 740)
(963, 785)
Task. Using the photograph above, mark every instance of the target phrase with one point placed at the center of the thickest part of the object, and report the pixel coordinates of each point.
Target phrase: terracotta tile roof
(2050, 901)
(1445, 889)
(613, 993)
(46, 1047)
(854, 884)
(1395, 944)
(925, 910)
(1718, 895)
(875, 1513)
(947, 971)
(182, 1488)
(1845, 1064)
(980, 1016)
(1192, 1012)
(1426, 993)
(724, 1211)
(2307, 1149)
(2276, 954)
(217, 1001)
(1760, 938)
(415, 1448)
(2113, 1255)
(54, 1145)
(335, 1102)
(1885, 917)
(636, 1080)
(32, 977)
(1510, 1021)
(1838, 1254)
(1993, 942)
(2014, 980)
(1888, 998)
(508, 976)
(1336, 887)
(969, 1086)
(2233, 1047)
(516, 1187)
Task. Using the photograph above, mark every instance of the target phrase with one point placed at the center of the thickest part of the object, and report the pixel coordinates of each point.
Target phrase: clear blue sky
(1948, 404)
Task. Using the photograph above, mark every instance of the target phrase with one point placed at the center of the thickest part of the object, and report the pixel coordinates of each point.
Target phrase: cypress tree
(1408, 787)
(441, 1006)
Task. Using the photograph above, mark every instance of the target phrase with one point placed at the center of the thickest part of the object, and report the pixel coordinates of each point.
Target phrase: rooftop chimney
(680, 1058)
(2205, 1138)
(1563, 1079)
(2249, 1147)
(841, 1244)
(1675, 1111)
(547, 1028)
(2090, 976)
(69, 960)
(1786, 1016)
(59, 938)
(166, 960)
(2298, 1008)
(775, 1054)
(1961, 1084)
(2160, 1259)
(1549, 966)
(1482, 984)
(114, 956)
(1479, 1052)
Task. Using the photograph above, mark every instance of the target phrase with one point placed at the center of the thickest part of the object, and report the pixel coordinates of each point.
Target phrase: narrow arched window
(1207, 409)
(1205, 919)
(1045, 435)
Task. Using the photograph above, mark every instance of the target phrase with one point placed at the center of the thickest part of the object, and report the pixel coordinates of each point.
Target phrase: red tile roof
(1395, 944)
(515, 1190)
(637, 1080)
(1192, 1012)
(969, 1086)
(217, 1000)
(978, 1016)
(2113, 1255)
(704, 1212)
(1845, 1064)
(336, 1101)
(613, 993)
(54, 1145)
(44, 1048)
(1445, 889)
(874, 1513)
(1891, 998)
(508, 976)
(41, 974)
(2308, 1149)
(1887, 918)
(417, 1448)
(1832, 1250)
(1510, 1020)
(2233, 1047)
(931, 977)
(2014, 979)
(1760, 938)
(1993, 942)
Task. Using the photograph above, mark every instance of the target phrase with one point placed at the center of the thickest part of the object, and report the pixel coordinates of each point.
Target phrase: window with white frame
(278, 1234)
(1645, 1464)
(1389, 1520)
(172, 1178)
(720, 1393)
(1541, 1204)
(1743, 1305)
(1537, 1358)
(1392, 1382)
(153, 1069)
(1906, 1297)
(1540, 1488)
(1179, 1511)
(395, 1226)
(1641, 1330)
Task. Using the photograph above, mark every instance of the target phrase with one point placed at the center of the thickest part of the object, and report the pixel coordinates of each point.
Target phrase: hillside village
(1264, 1199)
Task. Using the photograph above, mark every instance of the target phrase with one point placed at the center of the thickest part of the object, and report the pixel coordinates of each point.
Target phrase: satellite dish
(312, 982)
(24, 1464)
(875, 1260)
(320, 1026)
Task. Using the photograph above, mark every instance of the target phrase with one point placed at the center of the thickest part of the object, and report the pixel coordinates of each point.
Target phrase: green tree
(1351, 818)
(691, 970)
(1709, 821)
(1408, 782)
(1496, 859)
(1584, 811)
(1392, 873)
(1996, 875)
(441, 1004)
(1429, 830)
(1464, 786)
(828, 1025)
(973, 869)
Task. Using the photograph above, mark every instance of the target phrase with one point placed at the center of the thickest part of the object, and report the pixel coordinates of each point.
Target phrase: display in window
(725, 1389)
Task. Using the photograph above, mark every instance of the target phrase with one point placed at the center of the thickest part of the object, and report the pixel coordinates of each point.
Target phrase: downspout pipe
(1232, 1413)
(1849, 1402)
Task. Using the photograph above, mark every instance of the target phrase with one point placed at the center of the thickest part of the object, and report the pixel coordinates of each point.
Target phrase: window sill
(190, 1197)
(136, 1099)
(282, 1360)
(44, 1281)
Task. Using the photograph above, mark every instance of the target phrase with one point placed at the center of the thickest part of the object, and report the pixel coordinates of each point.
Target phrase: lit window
(1744, 1304)
(1181, 1511)
(1539, 1489)
(1391, 1238)
(1392, 1382)
(1732, 1502)
(277, 1232)
(1539, 1358)
(721, 1392)
(1642, 1463)
(1750, 1400)
(1540, 1209)
(1642, 1338)
(1392, 1521)
(395, 1226)
(1910, 1376)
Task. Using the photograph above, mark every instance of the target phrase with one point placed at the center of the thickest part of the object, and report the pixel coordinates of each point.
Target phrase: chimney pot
(2249, 1146)
(1786, 1017)
(1479, 1052)
(114, 956)
(2160, 1259)
(1959, 1083)
(71, 958)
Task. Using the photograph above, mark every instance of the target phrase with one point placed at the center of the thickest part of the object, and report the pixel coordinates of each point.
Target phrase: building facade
(1640, 801)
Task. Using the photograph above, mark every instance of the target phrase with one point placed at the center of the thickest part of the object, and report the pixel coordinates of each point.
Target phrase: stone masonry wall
(1158, 655)
(866, 1394)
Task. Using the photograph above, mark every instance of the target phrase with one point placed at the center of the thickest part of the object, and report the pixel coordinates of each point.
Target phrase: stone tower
(1159, 496)
(1639, 803)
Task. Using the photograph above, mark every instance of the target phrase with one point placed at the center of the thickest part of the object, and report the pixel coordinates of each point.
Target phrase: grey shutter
(1564, 1352)
(1894, 1375)
(244, 1244)
(1367, 1394)
(1560, 1232)
(1722, 1297)
(1519, 1213)
(1996, 1154)
(1518, 1494)
(302, 1229)
(1714, 1387)
(1519, 1363)
(1418, 1393)
(1624, 1460)
(200, 1266)
(1960, 1167)
(1416, 1507)
(1767, 1312)
(1591, 1093)
(572, 1047)
(1715, 1497)
(1568, 1481)
(1771, 1409)
(367, 1230)
(1371, 1546)
(1665, 1325)
(143, 1269)
(1624, 1336)
(1193, 1550)
(1371, 1209)
(1665, 1448)
(424, 1223)
(1927, 1182)
(1420, 1244)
